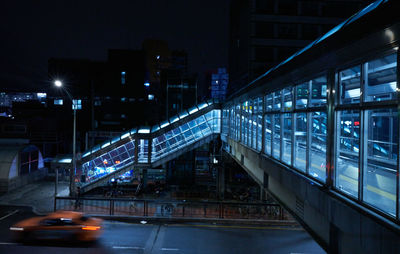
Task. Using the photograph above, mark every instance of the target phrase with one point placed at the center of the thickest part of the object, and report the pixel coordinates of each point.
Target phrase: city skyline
(87, 29)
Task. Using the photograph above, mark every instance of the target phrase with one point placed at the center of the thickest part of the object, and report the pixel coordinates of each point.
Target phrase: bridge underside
(337, 226)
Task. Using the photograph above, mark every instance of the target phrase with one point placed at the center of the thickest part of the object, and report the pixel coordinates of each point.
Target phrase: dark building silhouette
(131, 88)
(265, 32)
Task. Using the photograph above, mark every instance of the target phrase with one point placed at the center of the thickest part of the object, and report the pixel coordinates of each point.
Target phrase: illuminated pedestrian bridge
(319, 132)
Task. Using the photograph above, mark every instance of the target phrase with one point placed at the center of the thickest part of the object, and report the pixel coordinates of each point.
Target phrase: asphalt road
(119, 237)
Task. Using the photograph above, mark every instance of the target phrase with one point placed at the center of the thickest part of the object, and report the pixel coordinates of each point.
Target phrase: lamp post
(72, 172)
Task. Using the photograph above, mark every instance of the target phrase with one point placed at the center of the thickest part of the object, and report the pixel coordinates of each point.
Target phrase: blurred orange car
(61, 225)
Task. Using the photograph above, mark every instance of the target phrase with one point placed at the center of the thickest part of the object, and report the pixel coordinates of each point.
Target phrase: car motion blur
(60, 225)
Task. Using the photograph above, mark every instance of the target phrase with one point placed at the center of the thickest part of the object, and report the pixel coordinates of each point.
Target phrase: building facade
(265, 32)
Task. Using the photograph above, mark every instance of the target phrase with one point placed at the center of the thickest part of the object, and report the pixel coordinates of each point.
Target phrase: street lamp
(72, 172)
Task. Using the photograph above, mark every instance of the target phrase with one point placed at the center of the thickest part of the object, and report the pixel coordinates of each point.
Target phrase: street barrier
(172, 208)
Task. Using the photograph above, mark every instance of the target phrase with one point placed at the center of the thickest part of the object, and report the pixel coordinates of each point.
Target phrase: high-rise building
(265, 32)
(219, 84)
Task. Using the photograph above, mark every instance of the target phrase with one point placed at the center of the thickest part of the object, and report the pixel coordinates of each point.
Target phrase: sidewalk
(38, 195)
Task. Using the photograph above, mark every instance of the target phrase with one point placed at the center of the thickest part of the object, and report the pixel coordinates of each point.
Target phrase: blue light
(58, 102)
(146, 84)
(123, 78)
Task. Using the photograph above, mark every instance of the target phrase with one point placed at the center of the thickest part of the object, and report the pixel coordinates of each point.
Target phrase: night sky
(33, 31)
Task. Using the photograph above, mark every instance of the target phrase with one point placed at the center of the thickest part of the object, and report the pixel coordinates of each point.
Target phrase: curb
(166, 220)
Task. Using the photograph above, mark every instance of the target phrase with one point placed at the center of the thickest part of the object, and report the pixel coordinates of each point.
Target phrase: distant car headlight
(16, 229)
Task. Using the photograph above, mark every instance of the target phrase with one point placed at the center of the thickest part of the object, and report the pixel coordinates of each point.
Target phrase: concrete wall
(339, 225)
(16, 182)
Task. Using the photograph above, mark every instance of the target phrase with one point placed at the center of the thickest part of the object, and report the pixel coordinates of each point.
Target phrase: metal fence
(172, 208)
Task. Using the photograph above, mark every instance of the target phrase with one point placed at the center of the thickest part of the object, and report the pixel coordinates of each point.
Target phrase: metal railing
(172, 208)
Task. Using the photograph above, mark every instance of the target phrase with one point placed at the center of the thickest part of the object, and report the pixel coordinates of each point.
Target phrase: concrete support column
(262, 193)
(144, 177)
(221, 182)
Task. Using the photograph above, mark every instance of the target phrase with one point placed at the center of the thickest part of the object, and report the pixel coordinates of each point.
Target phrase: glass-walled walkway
(146, 146)
(290, 125)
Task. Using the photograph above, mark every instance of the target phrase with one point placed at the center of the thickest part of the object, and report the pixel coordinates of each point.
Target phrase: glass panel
(277, 100)
(268, 102)
(302, 95)
(276, 146)
(245, 106)
(237, 128)
(380, 167)
(300, 142)
(197, 133)
(246, 131)
(350, 85)
(318, 146)
(217, 125)
(381, 83)
(347, 151)
(98, 162)
(318, 92)
(192, 124)
(172, 142)
(260, 105)
(259, 132)
(217, 121)
(130, 147)
(254, 134)
(107, 160)
(242, 130)
(268, 134)
(143, 151)
(287, 99)
(287, 139)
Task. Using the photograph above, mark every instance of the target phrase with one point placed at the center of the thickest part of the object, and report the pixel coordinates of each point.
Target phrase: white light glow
(86, 154)
(164, 124)
(105, 145)
(65, 161)
(193, 110)
(41, 95)
(125, 135)
(144, 131)
(58, 83)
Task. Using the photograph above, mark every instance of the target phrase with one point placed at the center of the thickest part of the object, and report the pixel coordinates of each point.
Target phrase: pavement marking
(378, 191)
(8, 243)
(169, 249)
(8, 215)
(128, 247)
(148, 248)
(242, 227)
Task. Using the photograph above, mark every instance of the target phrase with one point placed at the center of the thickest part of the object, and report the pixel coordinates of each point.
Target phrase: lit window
(123, 116)
(150, 97)
(123, 99)
(76, 104)
(41, 95)
(58, 102)
(123, 78)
